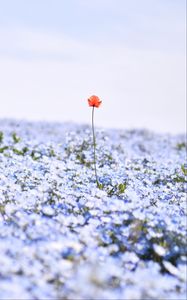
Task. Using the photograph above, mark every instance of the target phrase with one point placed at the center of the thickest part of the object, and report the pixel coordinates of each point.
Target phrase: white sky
(55, 54)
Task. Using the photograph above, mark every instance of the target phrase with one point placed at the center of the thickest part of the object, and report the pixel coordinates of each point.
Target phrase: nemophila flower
(94, 101)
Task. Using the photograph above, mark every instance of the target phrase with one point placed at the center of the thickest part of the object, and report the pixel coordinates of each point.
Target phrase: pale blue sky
(54, 54)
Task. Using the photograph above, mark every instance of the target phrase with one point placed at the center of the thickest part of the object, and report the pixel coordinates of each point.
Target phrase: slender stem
(94, 147)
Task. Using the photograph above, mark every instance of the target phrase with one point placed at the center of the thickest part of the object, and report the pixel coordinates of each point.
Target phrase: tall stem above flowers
(94, 146)
(94, 101)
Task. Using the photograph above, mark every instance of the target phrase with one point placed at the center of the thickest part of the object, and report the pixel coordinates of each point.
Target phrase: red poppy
(94, 101)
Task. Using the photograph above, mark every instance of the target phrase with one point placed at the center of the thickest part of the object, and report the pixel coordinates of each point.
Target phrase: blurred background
(54, 54)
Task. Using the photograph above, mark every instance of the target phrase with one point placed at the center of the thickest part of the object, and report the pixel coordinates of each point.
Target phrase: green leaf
(3, 148)
(16, 138)
(181, 146)
(184, 170)
(20, 152)
(122, 187)
(1, 136)
(100, 185)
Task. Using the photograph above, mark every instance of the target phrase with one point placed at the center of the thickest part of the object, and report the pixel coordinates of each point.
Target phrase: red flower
(94, 101)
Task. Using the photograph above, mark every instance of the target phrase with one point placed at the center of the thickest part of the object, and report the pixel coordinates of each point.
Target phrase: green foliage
(52, 152)
(175, 178)
(184, 169)
(111, 190)
(122, 187)
(137, 169)
(2, 209)
(181, 146)
(1, 136)
(179, 179)
(16, 138)
(117, 189)
(35, 155)
(100, 185)
(82, 159)
(20, 152)
(2, 149)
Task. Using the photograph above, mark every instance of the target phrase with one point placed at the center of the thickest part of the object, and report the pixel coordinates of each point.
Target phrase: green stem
(94, 147)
